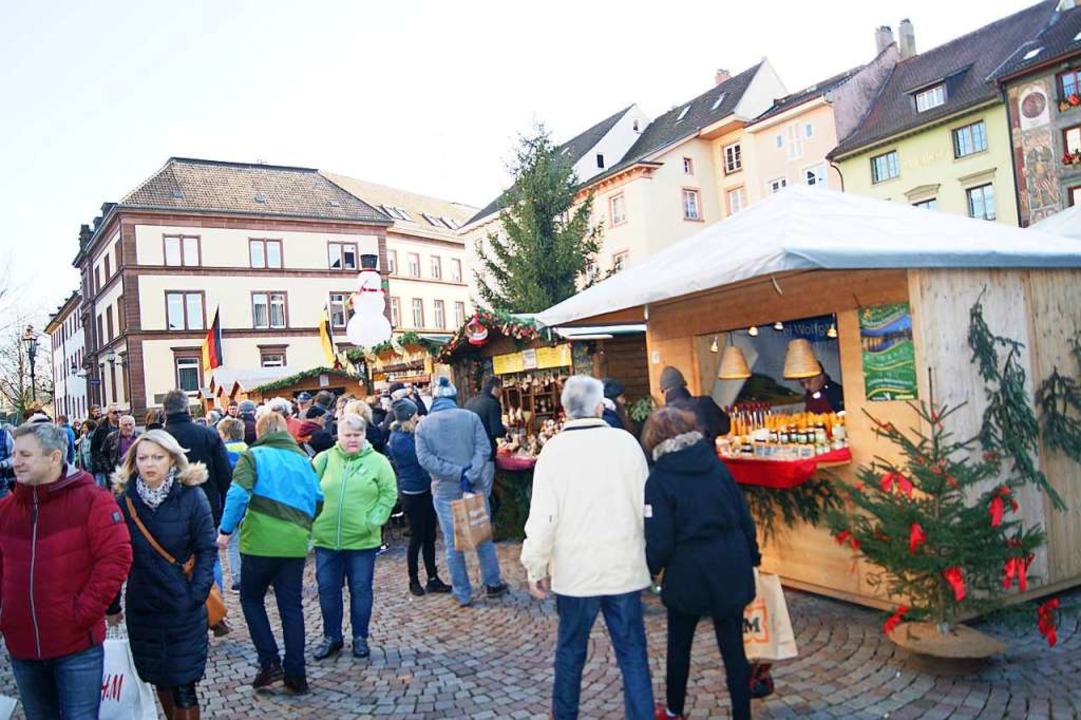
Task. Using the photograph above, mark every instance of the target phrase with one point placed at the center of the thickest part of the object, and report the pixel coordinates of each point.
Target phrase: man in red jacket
(64, 554)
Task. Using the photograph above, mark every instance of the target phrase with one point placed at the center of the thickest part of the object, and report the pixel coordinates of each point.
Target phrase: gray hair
(175, 401)
(52, 438)
(279, 405)
(353, 422)
(213, 416)
(581, 396)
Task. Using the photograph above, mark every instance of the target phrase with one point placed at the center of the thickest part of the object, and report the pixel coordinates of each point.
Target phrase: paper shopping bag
(472, 526)
(767, 628)
(7, 707)
(123, 695)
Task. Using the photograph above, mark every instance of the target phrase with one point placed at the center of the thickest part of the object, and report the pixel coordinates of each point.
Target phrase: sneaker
(222, 629)
(235, 588)
(382, 549)
(329, 648)
(297, 686)
(416, 588)
(268, 676)
(494, 591)
(761, 680)
(435, 585)
(360, 648)
(661, 713)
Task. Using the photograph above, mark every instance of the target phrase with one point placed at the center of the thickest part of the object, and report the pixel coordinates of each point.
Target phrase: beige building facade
(65, 331)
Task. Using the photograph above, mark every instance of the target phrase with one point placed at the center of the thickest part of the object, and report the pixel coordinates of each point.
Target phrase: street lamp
(31, 342)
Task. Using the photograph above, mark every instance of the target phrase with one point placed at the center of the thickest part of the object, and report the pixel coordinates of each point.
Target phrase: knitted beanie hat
(404, 409)
(671, 378)
(445, 388)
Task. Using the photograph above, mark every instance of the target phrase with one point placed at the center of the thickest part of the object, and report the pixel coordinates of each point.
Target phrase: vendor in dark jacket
(166, 612)
(712, 421)
(700, 533)
(201, 444)
(615, 410)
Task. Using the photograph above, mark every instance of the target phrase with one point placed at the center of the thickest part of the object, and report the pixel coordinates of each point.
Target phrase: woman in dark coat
(701, 534)
(166, 613)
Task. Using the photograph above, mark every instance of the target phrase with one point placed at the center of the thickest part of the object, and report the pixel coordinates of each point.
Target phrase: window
(778, 184)
(981, 202)
(688, 166)
(97, 279)
(456, 270)
(808, 130)
(778, 140)
(617, 208)
(339, 310)
(683, 113)
(392, 262)
(619, 260)
(1071, 139)
(108, 268)
(121, 322)
(184, 310)
(268, 310)
(737, 200)
(432, 220)
(343, 256)
(1069, 83)
(395, 312)
(733, 159)
(418, 312)
(969, 139)
(396, 212)
(265, 253)
(690, 205)
(188, 373)
(438, 314)
(459, 314)
(815, 176)
(1073, 194)
(414, 264)
(716, 104)
(182, 250)
(437, 267)
(600, 160)
(450, 222)
(884, 167)
(272, 356)
(929, 204)
(930, 98)
(795, 142)
(109, 322)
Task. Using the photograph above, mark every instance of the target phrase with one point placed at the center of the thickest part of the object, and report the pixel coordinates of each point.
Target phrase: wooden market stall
(807, 253)
(312, 380)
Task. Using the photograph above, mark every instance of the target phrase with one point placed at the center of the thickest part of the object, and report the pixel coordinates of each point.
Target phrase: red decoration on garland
(846, 537)
(1046, 621)
(956, 582)
(894, 620)
(903, 484)
(998, 505)
(1016, 568)
(476, 333)
(916, 537)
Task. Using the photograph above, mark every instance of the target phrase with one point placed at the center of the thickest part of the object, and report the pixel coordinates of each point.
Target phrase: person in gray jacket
(453, 447)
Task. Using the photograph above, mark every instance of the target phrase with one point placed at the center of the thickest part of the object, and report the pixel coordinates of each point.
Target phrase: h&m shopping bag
(123, 695)
(7, 707)
(767, 629)
(472, 526)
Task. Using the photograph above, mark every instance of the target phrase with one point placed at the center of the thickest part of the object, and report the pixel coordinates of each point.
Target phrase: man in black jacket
(202, 445)
(106, 426)
(486, 405)
(712, 421)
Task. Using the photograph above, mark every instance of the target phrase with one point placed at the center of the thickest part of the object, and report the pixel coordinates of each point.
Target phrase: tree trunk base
(958, 651)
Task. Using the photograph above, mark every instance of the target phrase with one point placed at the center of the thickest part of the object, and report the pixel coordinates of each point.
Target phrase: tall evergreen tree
(547, 243)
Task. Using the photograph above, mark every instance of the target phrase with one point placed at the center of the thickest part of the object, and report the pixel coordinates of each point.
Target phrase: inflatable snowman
(369, 325)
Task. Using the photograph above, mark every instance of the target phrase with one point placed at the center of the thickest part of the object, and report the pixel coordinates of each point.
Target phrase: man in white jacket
(585, 541)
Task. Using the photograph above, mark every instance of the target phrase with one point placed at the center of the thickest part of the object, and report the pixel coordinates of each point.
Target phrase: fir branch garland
(302, 375)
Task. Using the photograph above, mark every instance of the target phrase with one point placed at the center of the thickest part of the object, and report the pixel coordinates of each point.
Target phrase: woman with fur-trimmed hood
(166, 613)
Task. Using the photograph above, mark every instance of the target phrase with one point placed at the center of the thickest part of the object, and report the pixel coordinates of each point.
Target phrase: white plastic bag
(123, 695)
(7, 707)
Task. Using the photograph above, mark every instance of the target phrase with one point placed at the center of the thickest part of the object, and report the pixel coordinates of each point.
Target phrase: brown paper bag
(472, 526)
(767, 628)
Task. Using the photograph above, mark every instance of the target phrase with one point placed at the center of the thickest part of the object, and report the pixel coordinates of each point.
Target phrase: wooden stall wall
(624, 359)
(805, 556)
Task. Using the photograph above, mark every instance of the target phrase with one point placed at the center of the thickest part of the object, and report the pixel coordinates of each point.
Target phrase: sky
(423, 95)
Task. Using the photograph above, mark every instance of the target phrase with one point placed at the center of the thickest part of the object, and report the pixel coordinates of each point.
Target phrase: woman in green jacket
(360, 490)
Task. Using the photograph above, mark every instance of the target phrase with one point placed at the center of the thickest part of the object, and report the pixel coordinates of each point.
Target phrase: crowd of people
(266, 485)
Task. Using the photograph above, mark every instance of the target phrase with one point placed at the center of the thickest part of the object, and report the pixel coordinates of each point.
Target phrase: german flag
(326, 338)
(212, 345)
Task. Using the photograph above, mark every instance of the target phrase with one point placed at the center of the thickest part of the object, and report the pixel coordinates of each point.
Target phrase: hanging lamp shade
(733, 364)
(800, 361)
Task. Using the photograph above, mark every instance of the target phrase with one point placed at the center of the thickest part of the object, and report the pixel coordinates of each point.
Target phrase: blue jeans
(623, 616)
(287, 576)
(459, 575)
(332, 568)
(232, 552)
(67, 688)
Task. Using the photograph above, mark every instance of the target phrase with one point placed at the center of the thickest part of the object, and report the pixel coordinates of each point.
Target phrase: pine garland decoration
(303, 374)
(810, 502)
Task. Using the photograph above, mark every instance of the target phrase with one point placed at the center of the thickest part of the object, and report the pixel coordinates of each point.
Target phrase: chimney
(721, 76)
(84, 235)
(883, 38)
(908, 39)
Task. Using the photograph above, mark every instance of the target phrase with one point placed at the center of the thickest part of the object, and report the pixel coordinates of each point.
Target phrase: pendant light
(778, 326)
(713, 345)
(733, 363)
(800, 361)
(753, 331)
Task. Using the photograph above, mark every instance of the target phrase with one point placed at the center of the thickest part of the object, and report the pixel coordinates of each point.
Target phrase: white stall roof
(805, 228)
(1066, 223)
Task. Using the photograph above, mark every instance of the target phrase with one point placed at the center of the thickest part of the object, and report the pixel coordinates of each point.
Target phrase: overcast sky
(426, 96)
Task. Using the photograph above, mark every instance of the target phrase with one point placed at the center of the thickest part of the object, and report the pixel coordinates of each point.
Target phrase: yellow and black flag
(326, 337)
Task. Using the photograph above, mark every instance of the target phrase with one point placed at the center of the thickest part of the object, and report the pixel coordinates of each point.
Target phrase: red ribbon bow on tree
(903, 483)
(1045, 621)
(956, 582)
(1016, 567)
(846, 537)
(894, 620)
(916, 537)
(998, 505)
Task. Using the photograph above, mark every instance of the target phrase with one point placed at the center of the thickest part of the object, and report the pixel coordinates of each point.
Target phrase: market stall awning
(804, 228)
(1066, 223)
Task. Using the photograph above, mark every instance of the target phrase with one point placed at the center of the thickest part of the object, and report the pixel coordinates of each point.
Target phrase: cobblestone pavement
(431, 659)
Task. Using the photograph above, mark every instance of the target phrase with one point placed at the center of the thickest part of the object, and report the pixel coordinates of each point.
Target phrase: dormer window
(930, 98)
(683, 113)
(717, 102)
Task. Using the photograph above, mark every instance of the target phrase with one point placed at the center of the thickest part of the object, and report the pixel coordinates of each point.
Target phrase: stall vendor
(822, 394)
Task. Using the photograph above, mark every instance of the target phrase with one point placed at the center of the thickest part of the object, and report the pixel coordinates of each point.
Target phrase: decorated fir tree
(940, 525)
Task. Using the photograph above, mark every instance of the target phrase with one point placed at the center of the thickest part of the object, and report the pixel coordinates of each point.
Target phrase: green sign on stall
(889, 356)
